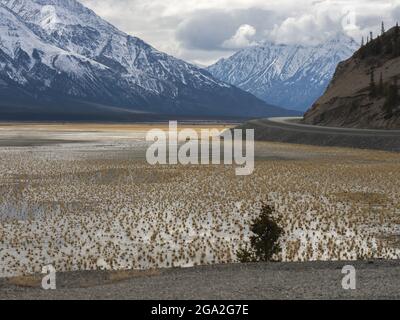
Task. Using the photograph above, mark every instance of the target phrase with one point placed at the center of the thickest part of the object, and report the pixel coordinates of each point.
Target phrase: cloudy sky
(203, 31)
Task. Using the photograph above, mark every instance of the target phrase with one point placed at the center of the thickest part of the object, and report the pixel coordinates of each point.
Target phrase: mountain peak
(288, 75)
(59, 54)
(342, 39)
(34, 5)
(50, 14)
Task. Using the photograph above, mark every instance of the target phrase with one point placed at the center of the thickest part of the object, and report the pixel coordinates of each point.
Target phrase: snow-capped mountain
(59, 57)
(291, 76)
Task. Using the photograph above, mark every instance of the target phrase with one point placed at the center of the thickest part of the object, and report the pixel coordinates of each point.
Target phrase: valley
(60, 61)
(93, 202)
(249, 152)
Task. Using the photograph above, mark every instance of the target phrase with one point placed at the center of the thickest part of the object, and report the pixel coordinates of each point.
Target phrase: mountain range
(291, 76)
(61, 61)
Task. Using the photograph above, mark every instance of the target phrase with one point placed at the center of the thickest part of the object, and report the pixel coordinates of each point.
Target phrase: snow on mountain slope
(71, 26)
(39, 67)
(71, 53)
(291, 76)
(23, 52)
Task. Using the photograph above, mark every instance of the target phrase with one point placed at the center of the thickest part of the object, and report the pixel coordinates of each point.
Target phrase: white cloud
(204, 30)
(307, 29)
(242, 38)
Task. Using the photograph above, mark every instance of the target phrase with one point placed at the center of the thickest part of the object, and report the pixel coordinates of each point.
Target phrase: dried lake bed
(82, 197)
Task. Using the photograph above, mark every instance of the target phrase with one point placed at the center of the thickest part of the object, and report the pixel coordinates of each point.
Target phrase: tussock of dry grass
(81, 210)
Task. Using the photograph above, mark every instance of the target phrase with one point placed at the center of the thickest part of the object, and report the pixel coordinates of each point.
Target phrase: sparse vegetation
(388, 91)
(388, 43)
(364, 92)
(107, 209)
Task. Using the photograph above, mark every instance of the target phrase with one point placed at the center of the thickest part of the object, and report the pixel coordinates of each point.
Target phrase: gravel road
(289, 130)
(314, 280)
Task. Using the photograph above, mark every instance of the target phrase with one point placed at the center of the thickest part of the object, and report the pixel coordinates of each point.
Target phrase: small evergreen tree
(392, 98)
(378, 46)
(383, 29)
(396, 47)
(372, 86)
(264, 242)
(389, 47)
(381, 89)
